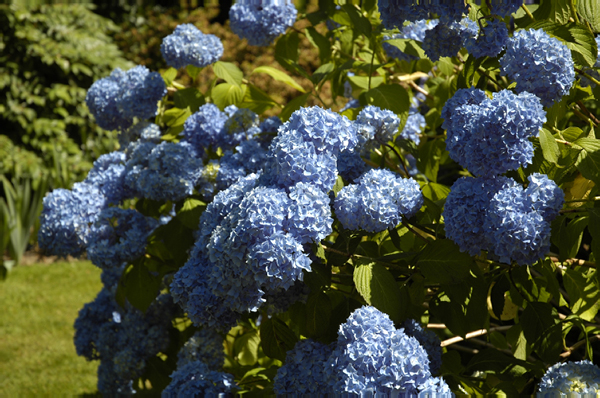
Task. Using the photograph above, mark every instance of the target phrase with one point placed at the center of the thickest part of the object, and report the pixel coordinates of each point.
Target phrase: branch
(475, 333)
(575, 346)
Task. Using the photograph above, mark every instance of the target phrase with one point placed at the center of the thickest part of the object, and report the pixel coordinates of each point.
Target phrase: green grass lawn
(38, 305)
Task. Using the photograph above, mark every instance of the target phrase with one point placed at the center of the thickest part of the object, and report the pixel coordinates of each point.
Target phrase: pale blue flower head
(566, 378)
(187, 45)
(261, 21)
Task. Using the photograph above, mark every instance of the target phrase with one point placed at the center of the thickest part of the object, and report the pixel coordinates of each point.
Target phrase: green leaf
(276, 338)
(190, 212)
(441, 261)
(553, 10)
(279, 76)
(429, 158)
(320, 42)
(583, 293)
(594, 228)
(590, 11)
(362, 82)
(322, 72)
(435, 191)
(228, 72)
(176, 117)
(293, 106)
(193, 71)
(169, 75)
(141, 287)
(379, 289)
(541, 327)
(389, 96)
(588, 162)
(575, 36)
(495, 361)
(549, 146)
(465, 78)
(318, 313)
(257, 100)
(408, 46)
(247, 348)
(226, 94)
(359, 22)
(191, 97)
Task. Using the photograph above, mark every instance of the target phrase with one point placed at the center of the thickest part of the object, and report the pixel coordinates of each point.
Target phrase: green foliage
(50, 57)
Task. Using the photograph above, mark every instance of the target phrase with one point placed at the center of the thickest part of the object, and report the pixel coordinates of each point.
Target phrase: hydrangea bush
(430, 227)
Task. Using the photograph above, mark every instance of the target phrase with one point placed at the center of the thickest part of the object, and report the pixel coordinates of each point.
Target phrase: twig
(575, 346)
(574, 261)
(419, 89)
(475, 333)
(529, 14)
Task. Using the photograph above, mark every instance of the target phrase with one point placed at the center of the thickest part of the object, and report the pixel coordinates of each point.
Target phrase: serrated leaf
(228, 72)
(141, 287)
(169, 75)
(293, 106)
(389, 96)
(441, 261)
(257, 100)
(320, 42)
(189, 97)
(279, 76)
(378, 288)
(550, 148)
(247, 347)
(318, 313)
(359, 22)
(588, 162)
(408, 46)
(276, 338)
(226, 94)
(590, 11)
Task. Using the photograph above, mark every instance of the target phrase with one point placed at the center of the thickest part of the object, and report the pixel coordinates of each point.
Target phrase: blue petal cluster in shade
(376, 125)
(196, 379)
(187, 45)
(303, 371)
(415, 123)
(249, 158)
(205, 345)
(504, 8)
(498, 215)
(116, 100)
(139, 132)
(430, 342)
(204, 129)
(119, 236)
(446, 39)
(490, 42)
(66, 218)
(371, 353)
(108, 175)
(261, 21)
(492, 137)
(351, 166)
(168, 171)
(395, 12)
(539, 64)
(123, 339)
(377, 201)
(570, 378)
(414, 31)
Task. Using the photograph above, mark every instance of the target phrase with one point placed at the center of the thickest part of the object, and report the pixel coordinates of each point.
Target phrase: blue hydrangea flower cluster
(303, 371)
(250, 238)
(307, 147)
(353, 103)
(139, 132)
(378, 201)
(187, 45)
(498, 215)
(204, 129)
(504, 8)
(66, 218)
(415, 123)
(119, 236)
(168, 171)
(540, 64)
(108, 175)
(249, 158)
(395, 12)
(196, 379)
(351, 165)
(261, 21)
(280, 300)
(492, 137)
(371, 354)
(430, 342)
(446, 39)
(379, 125)
(206, 346)
(566, 378)
(122, 339)
(490, 42)
(414, 31)
(116, 100)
